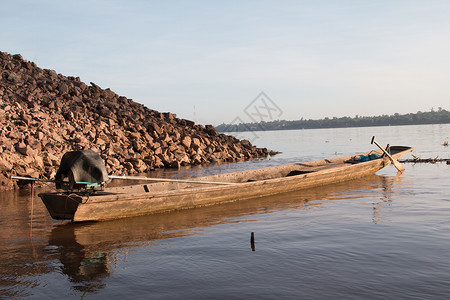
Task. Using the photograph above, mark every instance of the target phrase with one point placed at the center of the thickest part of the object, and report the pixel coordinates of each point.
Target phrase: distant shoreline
(441, 116)
(285, 129)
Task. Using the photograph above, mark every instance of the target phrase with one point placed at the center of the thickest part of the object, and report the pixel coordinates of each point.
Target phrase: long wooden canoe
(156, 197)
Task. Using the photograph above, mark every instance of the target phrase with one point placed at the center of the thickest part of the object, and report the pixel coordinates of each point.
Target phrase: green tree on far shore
(439, 116)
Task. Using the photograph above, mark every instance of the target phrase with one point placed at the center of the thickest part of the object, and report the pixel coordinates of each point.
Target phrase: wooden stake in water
(252, 241)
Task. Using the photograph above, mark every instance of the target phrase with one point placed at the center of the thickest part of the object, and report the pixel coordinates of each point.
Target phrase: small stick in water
(252, 241)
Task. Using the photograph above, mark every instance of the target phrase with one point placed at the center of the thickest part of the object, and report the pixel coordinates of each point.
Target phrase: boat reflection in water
(90, 251)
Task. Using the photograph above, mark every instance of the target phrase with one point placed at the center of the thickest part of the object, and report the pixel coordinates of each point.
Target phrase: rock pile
(44, 114)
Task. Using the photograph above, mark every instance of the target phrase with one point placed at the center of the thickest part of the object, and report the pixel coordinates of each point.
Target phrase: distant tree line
(440, 116)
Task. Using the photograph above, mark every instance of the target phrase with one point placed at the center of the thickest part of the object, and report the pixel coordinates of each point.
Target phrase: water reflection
(88, 252)
(85, 264)
(22, 243)
(386, 199)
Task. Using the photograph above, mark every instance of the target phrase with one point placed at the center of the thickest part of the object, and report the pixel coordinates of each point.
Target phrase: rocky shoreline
(44, 114)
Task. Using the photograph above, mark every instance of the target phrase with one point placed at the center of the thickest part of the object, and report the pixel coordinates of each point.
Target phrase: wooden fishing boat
(156, 197)
(119, 202)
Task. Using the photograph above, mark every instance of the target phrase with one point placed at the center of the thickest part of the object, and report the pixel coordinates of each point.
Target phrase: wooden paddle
(396, 164)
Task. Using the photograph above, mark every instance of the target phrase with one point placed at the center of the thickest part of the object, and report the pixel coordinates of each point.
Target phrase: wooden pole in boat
(31, 179)
(396, 164)
(168, 180)
(132, 178)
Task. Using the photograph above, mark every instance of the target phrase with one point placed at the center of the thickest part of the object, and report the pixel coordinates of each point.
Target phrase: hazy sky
(208, 60)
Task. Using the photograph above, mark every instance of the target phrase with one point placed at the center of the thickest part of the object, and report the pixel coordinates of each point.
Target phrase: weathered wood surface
(120, 202)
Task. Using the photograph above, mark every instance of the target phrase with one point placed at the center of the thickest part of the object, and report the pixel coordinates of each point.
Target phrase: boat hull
(146, 199)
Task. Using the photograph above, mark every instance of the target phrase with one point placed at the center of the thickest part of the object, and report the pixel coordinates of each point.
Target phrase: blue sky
(208, 60)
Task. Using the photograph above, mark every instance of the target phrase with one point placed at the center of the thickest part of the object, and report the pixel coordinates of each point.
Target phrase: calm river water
(380, 237)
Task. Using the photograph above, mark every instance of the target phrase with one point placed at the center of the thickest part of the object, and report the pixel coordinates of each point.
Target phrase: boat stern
(61, 206)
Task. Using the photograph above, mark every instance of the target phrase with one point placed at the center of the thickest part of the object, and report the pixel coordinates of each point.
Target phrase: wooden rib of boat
(156, 197)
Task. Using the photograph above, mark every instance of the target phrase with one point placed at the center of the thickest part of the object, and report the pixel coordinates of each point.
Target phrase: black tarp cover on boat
(84, 166)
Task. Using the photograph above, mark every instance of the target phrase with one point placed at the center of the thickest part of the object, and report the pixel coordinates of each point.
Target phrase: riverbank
(44, 114)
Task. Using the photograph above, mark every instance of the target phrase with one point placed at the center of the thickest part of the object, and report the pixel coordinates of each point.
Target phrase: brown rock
(18, 57)
(137, 146)
(246, 144)
(197, 159)
(13, 77)
(183, 159)
(158, 150)
(155, 127)
(211, 130)
(196, 143)
(5, 166)
(22, 148)
(158, 162)
(5, 183)
(50, 159)
(186, 142)
(39, 162)
(188, 123)
(39, 135)
(207, 141)
(63, 88)
(139, 166)
(114, 162)
(173, 164)
(52, 73)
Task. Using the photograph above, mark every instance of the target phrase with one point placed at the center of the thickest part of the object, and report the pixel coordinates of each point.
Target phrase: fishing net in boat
(363, 158)
(84, 168)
